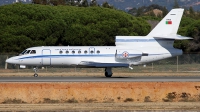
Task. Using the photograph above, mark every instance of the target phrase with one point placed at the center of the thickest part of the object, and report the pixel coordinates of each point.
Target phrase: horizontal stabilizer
(102, 65)
(175, 37)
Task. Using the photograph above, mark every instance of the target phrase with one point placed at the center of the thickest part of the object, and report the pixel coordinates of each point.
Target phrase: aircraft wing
(101, 65)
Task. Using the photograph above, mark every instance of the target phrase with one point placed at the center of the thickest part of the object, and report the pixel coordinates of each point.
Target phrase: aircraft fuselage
(75, 55)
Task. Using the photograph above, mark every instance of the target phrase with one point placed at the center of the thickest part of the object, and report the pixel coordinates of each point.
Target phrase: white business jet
(129, 50)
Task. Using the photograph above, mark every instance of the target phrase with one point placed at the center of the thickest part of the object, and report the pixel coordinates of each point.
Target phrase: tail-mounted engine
(127, 53)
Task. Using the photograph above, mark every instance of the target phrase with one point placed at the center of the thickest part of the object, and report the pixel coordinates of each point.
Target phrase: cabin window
(98, 51)
(91, 51)
(60, 52)
(73, 52)
(85, 51)
(67, 52)
(33, 52)
(79, 52)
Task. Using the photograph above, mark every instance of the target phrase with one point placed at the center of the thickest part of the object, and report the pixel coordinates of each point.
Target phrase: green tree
(139, 11)
(176, 5)
(36, 1)
(164, 12)
(85, 3)
(93, 3)
(57, 2)
(107, 5)
(191, 11)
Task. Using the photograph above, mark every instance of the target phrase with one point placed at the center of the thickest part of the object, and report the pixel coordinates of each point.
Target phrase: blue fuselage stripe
(65, 56)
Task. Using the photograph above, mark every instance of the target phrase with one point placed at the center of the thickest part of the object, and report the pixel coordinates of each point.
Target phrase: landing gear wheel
(35, 75)
(108, 75)
(35, 70)
(108, 72)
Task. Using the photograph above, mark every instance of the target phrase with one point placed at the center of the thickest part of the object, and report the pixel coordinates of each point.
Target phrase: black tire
(35, 75)
(106, 74)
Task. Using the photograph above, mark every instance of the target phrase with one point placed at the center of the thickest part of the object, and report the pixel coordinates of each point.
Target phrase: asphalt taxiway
(100, 79)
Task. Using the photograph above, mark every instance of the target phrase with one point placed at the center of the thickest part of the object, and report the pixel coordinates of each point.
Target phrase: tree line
(28, 25)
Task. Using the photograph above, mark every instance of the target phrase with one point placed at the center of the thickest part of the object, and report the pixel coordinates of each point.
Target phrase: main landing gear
(35, 70)
(108, 72)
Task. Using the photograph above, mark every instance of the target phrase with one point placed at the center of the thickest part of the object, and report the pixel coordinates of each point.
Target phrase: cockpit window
(23, 52)
(33, 52)
(27, 52)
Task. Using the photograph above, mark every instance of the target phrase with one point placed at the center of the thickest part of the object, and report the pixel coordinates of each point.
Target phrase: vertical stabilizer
(169, 24)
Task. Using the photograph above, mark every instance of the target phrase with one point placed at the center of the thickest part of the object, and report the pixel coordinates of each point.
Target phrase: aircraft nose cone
(10, 60)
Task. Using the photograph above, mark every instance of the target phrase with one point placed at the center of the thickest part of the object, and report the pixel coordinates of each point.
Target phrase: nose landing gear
(35, 70)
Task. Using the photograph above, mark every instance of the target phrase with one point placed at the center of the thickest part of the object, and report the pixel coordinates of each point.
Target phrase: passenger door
(46, 57)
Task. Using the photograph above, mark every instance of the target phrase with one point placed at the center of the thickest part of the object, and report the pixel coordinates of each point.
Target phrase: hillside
(128, 4)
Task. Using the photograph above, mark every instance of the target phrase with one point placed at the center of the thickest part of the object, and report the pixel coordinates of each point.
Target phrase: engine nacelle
(127, 53)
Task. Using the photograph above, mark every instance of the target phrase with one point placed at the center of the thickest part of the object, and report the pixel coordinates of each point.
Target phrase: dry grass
(62, 72)
(115, 74)
(149, 70)
(102, 107)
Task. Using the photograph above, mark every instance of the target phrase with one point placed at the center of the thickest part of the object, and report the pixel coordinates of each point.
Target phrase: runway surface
(100, 79)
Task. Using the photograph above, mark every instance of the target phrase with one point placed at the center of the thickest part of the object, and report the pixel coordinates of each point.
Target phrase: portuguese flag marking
(169, 22)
